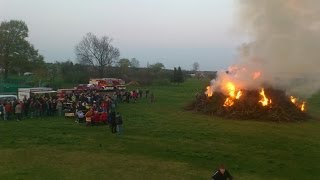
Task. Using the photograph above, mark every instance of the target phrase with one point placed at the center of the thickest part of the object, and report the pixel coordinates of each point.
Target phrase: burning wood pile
(280, 59)
(270, 104)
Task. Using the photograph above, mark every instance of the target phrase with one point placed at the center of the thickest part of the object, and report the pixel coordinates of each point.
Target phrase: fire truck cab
(110, 84)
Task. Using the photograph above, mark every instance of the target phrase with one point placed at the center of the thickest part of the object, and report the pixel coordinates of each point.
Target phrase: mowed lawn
(161, 141)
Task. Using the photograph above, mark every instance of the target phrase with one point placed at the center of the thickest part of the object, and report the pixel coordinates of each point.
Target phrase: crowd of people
(89, 107)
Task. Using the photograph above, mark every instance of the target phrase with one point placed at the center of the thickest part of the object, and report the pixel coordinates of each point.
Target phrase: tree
(134, 63)
(195, 66)
(179, 75)
(96, 52)
(157, 67)
(124, 63)
(174, 78)
(14, 48)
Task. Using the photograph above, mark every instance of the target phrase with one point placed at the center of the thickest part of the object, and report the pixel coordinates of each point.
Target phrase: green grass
(161, 141)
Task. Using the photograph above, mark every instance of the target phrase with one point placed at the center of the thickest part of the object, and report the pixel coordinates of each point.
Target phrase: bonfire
(228, 99)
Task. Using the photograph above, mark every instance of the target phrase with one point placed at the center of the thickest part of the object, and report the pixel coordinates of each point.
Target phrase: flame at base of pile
(267, 104)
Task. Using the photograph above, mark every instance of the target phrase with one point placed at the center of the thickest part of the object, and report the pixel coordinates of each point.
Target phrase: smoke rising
(285, 44)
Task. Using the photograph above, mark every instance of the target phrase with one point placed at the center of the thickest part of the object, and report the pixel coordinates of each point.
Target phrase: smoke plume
(285, 44)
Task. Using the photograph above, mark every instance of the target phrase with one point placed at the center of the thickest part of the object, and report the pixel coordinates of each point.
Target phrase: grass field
(161, 141)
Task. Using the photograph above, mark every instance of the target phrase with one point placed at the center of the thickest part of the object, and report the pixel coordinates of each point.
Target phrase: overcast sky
(173, 32)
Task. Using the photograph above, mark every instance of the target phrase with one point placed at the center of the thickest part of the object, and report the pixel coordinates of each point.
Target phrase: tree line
(96, 57)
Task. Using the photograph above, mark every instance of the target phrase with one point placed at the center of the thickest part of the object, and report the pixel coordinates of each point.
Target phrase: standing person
(18, 110)
(59, 108)
(140, 93)
(128, 97)
(152, 97)
(26, 104)
(1, 110)
(89, 115)
(134, 96)
(80, 116)
(113, 124)
(147, 93)
(222, 174)
(8, 111)
(119, 123)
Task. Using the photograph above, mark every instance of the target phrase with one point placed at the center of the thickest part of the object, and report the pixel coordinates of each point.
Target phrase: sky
(173, 32)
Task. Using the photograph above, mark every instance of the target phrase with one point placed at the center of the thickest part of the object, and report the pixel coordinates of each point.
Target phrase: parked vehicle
(28, 92)
(85, 87)
(4, 98)
(110, 84)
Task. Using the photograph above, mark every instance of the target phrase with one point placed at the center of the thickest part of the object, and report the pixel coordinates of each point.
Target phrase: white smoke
(285, 46)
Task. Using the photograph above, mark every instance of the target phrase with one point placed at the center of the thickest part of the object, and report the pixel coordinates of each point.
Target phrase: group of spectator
(91, 107)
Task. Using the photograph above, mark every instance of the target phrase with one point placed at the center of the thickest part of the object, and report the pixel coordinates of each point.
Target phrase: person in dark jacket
(221, 174)
(119, 123)
(113, 124)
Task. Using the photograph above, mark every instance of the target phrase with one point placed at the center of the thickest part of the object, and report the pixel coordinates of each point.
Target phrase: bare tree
(96, 52)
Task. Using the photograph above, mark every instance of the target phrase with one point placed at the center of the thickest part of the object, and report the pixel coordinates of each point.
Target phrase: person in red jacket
(96, 117)
(103, 117)
(8, 110)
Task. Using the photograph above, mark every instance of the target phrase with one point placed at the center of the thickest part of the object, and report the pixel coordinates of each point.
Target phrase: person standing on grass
(113, 124)
(59, 108)
(221, 174)
(1, 111)
(8, 110)
(119, 123)
(18, 111)
(89, 115)
(151, 97)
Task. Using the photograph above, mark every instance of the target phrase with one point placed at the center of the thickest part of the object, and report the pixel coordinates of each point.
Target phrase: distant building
(27, 74)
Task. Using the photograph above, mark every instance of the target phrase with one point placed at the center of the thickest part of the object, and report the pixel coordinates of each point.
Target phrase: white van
(4, 98)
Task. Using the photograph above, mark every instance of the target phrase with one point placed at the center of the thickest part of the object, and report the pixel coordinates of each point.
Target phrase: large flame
(264, 100)
(233, 94)
(209, 91)
(230, 84)
(231, 89)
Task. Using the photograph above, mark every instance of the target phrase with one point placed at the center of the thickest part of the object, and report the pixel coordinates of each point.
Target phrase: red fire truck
(111, 84)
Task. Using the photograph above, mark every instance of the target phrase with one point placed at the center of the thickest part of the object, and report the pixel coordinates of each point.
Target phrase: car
(4, 98)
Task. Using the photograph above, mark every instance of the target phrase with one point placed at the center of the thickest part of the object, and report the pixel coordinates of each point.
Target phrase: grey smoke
(285, 44)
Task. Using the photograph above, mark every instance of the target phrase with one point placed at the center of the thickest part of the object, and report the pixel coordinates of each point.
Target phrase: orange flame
(256, 75)
(303, 106)
(232, 94)
(231, 88)
(239, 94)
(228, 102)
(293, 99)
(264, 101)
(209, 91)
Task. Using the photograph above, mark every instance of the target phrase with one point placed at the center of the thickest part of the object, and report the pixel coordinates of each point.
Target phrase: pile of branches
(248, 106)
